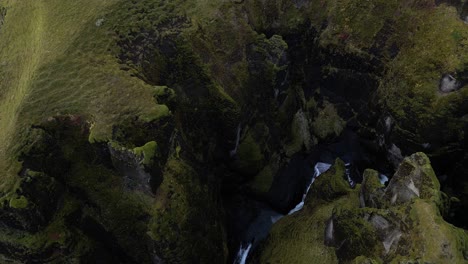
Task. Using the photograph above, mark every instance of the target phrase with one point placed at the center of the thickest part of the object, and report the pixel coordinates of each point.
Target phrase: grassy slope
(21, 54)
(60, 64)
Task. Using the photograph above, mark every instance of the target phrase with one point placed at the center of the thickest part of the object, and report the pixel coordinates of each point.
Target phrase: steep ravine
(201, 124)
(347, 148)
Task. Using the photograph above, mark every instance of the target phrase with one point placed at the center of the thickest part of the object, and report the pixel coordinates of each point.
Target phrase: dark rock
(131, 168)
(290, 183)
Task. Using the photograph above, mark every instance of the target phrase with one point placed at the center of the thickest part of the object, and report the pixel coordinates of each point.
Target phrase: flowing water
(319, 168)
(244, 249)
(243, 254)
(234, 151)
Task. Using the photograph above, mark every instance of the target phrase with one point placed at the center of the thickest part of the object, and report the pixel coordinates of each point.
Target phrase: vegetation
(328, 123)
(298, 238)
(147, 152)
(160, 87)
(60, 64)
(359, 234)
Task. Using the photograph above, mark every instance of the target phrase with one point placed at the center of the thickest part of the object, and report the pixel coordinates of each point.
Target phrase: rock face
(393, 224)
(414, 178)
(90, 199)
(448, 84)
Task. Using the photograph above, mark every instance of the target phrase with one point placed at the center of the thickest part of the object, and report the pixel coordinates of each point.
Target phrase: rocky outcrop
(393, 224)
(95, 201)
(299, 237)
(131, 164)
(448, 84)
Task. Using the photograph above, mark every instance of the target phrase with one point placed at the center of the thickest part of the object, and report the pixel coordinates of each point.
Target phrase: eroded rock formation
(398, 223)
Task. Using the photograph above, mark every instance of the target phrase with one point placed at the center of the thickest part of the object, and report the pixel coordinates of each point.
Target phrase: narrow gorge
(233, 131)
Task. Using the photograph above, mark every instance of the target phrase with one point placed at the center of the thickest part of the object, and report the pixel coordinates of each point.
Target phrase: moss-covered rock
(262, 182)
(365, 260)
(381, 232)
(256, 63)
(147, 152)
(250, 157)
(331, 184)
(398, 224)
(299, 237)
(19, 202)
(164, 94)
(33, 204)
(371, 189)
(182, 204)
(300, 134)
(414, 178)
(328, 123)
(107, 209)
(431, 238)
(354, 235)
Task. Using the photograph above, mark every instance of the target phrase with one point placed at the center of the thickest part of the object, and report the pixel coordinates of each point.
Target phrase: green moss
(357, 22)
(19, 202)
(371, 180)
(422, 113)
(417, 168)
(147, 152)
(372, 190)
(300, 137)
(357, 235)
(299, 237)
(55, 234)
(263, 180)
(425, 236)
(366, 260)
(331, 184)
(178, 150)
(430, 182)
(328, 123)
(163, 94)
(155, 114)
(122, 212)
(180, 224)
(96, 136)
(250, 156)
(433, 239)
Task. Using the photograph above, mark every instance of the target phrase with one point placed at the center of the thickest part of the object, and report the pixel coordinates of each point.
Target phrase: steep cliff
(154, 131)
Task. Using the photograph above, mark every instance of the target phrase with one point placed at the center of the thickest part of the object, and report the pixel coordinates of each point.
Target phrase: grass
(20, 58)
(56, 61)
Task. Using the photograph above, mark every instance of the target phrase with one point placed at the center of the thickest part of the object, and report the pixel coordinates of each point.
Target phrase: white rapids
(242, 254)
(319, 168)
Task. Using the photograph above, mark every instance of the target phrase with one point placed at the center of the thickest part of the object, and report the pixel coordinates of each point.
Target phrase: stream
(319, 169)
(348, 150)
